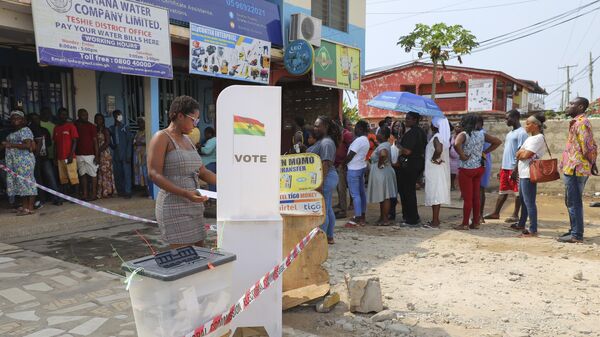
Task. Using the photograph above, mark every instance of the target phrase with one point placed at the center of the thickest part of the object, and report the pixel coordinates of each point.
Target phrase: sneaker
(38, 204)
(565, 234)
(569, 239)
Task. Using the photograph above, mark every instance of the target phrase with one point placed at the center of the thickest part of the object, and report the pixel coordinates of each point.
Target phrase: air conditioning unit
(307, 28)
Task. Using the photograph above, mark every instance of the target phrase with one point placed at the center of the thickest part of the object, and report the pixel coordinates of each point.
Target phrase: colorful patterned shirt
(581, 150)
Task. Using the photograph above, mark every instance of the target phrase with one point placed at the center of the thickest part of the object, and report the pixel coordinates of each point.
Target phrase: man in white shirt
(509, 183)
(357, 165)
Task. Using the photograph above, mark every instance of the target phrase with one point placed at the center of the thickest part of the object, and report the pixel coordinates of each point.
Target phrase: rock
(380, 325)
(398, 329)
(578, 276)
(410, 306)
(349, 264)
(348, 327)
(516, 273)
(328, 303)
(505, 320)
(514, 278)
(328, 322)
(386, 315)
(421, 255)
(364, 293)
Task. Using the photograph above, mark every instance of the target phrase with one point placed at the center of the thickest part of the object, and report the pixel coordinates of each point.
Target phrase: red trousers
(469, 181)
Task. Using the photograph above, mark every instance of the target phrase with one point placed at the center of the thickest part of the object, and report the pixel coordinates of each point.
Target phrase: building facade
(458, 90)
(30, 86)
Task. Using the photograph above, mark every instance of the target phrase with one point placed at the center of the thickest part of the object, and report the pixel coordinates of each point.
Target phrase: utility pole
(562, 100)
(591, 78)
(568, 97)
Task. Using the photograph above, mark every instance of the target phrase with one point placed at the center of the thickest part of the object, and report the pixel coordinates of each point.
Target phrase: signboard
(255, 18)
(300, 172)
(298, 57)
(218, 53)
(337, 66)
(481, 94)
(248, 220)
(301, 203)
(118, 36)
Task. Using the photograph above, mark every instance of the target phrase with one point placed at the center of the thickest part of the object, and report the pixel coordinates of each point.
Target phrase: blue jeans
(356, 185)
(212, 167)
(574, 186)
(44, 175)
(329, 185)
(527, 194)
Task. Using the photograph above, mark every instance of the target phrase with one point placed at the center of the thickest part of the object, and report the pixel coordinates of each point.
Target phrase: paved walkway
(41, 296)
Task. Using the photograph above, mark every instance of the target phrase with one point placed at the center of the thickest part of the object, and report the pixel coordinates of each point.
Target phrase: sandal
(516, 227)
(461, 228)
(428, 224)
(330, 241)
(511, 219)
(351, 224)
(24, 212)
(527, 234)
(472, 226)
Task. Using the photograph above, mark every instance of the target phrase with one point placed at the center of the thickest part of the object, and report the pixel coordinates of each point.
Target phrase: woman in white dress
(437, 169)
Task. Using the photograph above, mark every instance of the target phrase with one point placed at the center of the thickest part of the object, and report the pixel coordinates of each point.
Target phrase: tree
(350, 112)
(438, 41)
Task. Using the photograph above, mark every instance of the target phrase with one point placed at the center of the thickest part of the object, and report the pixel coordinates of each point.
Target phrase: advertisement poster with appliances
(337, 66)
(218, 53)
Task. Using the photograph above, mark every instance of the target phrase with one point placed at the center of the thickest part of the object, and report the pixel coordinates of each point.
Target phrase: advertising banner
(481, 94)
(255, 18)
(218, 53)
(300, 172)
(337, 66)
(118, 36)
(301, 203)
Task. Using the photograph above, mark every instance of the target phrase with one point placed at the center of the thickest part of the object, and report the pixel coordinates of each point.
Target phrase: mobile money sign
(300, 172)
(219, 53)
(337, 66)
(118, 36)
(301, 203)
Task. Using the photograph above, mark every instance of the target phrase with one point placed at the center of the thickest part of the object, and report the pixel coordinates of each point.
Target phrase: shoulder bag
(544, 170)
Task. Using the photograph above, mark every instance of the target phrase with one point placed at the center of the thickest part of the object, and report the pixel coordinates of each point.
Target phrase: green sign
(337, 66)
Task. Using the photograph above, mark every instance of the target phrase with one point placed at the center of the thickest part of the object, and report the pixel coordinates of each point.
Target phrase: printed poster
(300, 172)
(301, 203)
(118, 36)
(218, 53)
(481, 94)
(337, 66)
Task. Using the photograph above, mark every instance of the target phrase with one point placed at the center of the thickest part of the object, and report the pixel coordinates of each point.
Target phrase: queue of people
(387, 165)
(79, 158)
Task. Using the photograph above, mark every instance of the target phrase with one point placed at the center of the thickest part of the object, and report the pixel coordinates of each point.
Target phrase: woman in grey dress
(175, 166)
(382, 178)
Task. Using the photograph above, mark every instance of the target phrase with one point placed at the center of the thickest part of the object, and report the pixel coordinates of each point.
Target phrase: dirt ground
(440, 282)
(485, 282)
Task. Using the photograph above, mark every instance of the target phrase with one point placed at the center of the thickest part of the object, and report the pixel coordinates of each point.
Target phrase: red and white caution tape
(77, 201)
(254, 292)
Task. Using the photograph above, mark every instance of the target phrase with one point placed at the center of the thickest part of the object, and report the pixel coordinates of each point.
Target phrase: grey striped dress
(180, 221)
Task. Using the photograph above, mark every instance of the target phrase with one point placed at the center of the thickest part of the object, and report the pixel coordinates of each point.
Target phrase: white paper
(211, 195)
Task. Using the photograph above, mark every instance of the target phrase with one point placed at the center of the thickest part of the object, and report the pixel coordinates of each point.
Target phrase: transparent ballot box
(176, 291)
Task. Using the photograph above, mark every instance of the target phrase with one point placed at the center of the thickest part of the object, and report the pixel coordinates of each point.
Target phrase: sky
(536, 57)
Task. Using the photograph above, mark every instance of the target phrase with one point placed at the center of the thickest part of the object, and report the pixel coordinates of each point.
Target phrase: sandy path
(478, 283)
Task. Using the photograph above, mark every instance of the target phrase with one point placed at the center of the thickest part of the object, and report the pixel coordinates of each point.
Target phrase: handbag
(544, 170)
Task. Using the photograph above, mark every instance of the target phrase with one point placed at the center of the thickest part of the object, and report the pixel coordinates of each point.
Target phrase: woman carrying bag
(533, 148)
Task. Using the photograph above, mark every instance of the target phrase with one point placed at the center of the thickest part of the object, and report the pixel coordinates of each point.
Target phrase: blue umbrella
(406, 102)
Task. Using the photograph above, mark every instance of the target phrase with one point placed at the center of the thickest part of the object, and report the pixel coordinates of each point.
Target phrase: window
(334, 13)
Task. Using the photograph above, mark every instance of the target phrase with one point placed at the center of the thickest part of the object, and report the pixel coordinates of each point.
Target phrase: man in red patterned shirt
(577, 164)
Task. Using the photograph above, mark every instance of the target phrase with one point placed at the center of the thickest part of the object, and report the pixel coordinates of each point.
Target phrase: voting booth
(248, 220)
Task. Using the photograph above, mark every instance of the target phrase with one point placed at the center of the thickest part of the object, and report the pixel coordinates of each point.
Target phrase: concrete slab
(24, 316)
(16, 295)
(89, 327)
(40, 286)
(46, 333)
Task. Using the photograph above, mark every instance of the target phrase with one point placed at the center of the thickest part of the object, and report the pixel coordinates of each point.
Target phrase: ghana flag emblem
(247, 126)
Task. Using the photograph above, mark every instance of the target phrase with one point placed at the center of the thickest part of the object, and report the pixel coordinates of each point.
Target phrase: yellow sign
(300, 172)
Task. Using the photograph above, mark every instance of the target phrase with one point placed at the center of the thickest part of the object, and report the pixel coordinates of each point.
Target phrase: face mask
(119, 118)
